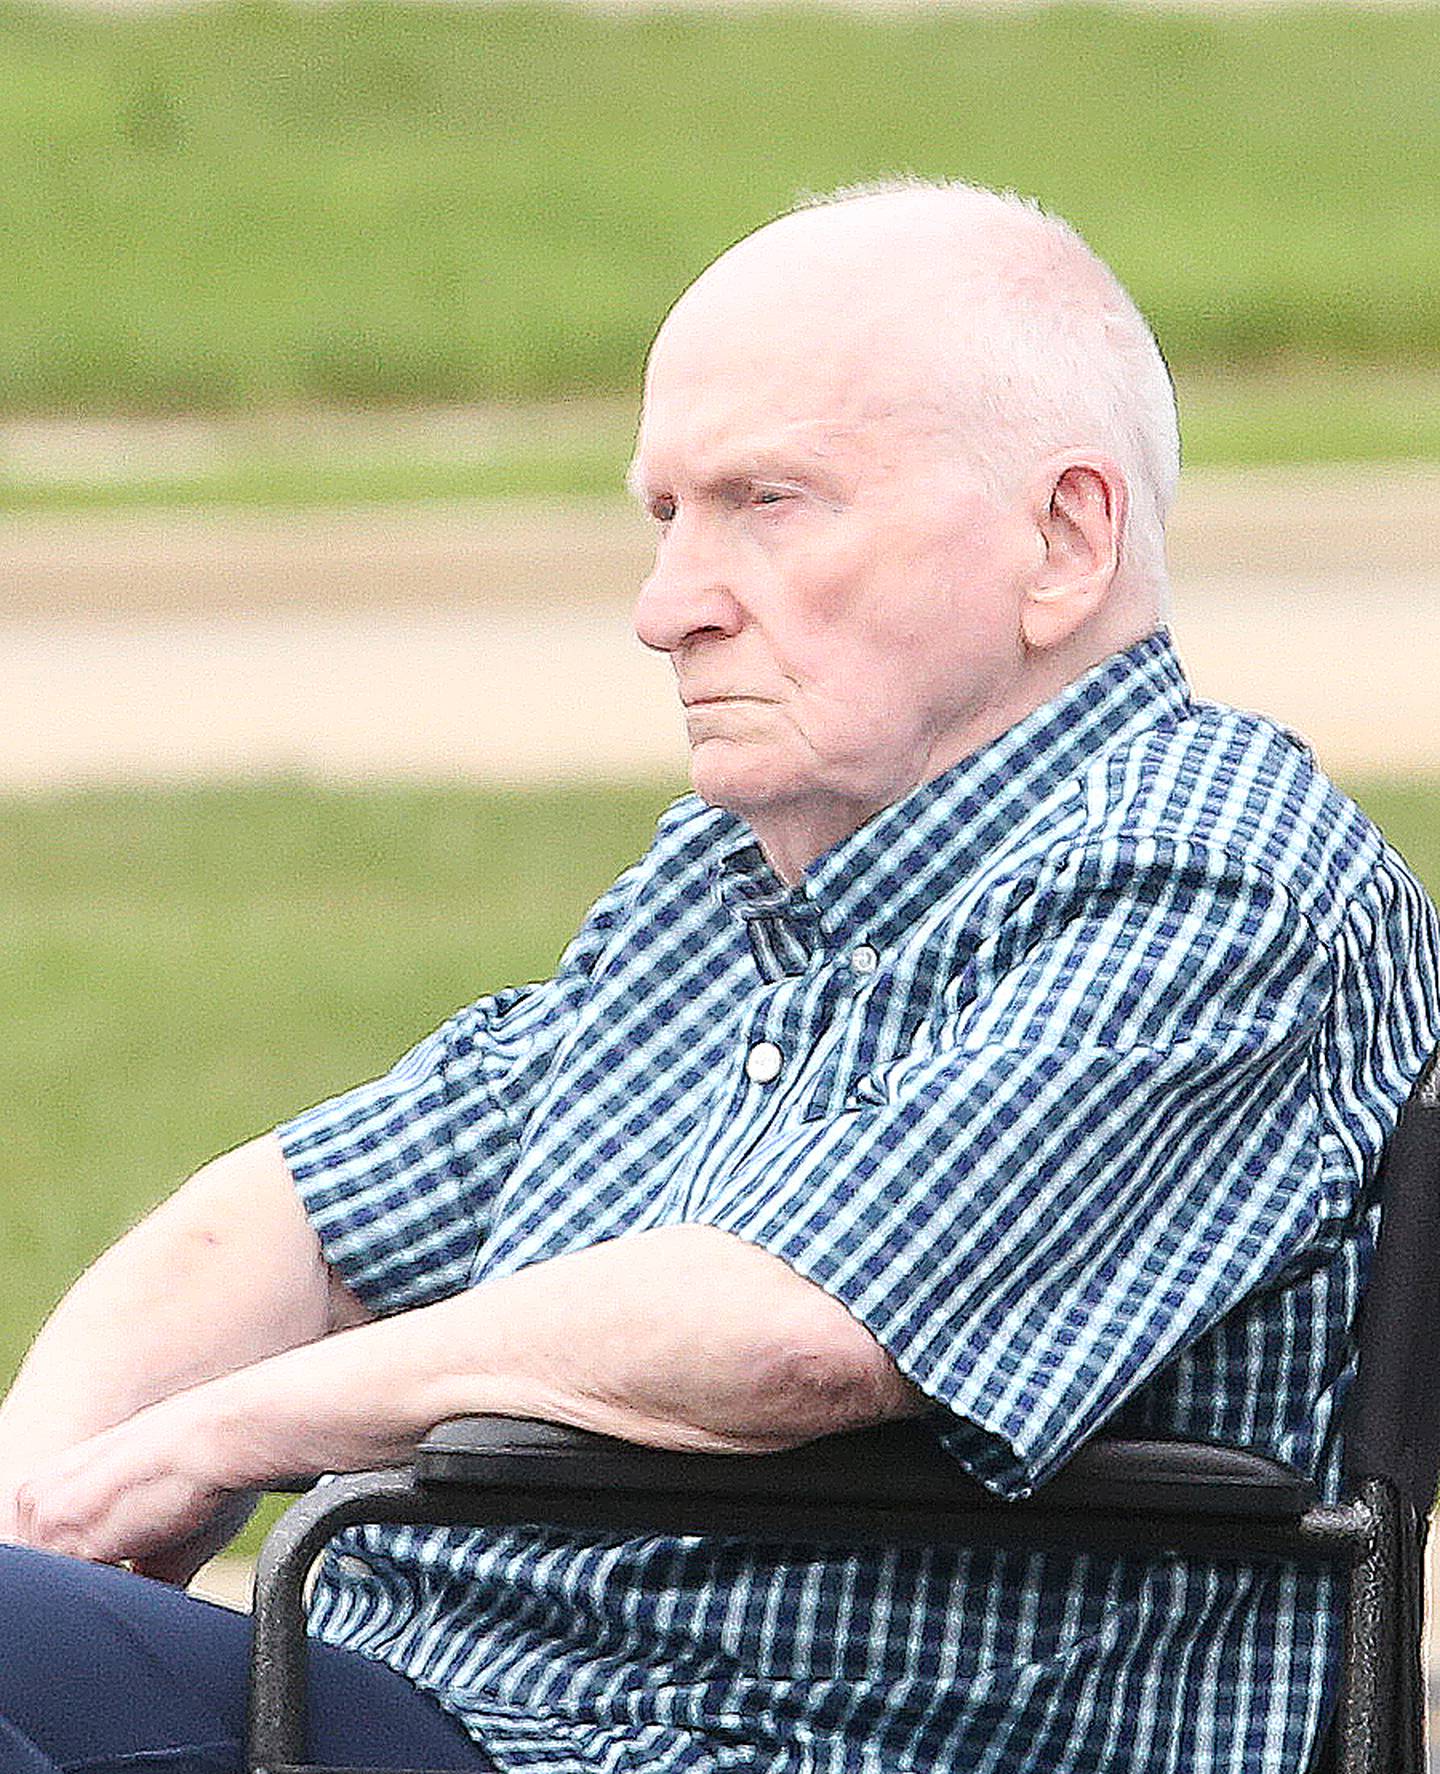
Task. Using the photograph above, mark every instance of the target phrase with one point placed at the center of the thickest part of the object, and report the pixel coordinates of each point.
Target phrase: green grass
(1335, 413)
(252, 203)
(182, 970)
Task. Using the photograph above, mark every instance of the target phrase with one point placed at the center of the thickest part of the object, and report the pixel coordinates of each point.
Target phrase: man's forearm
(681, 1337)
(224, 1273)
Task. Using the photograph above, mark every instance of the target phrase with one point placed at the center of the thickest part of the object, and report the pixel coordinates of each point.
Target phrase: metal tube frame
(1364, 1730)
(1363, 1533)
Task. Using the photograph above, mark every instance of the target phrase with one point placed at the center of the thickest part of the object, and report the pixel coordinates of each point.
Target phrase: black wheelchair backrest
(1393, 1426)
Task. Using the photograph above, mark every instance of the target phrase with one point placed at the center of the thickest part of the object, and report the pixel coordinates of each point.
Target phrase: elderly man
(996, 1033)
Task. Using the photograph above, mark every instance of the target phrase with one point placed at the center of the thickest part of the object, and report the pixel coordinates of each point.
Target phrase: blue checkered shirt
(1086, 1050)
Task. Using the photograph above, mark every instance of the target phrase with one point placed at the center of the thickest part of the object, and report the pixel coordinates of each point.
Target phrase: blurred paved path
(492, 643)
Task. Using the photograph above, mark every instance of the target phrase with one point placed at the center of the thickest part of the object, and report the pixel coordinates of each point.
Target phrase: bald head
(908, 455)
(966, 316)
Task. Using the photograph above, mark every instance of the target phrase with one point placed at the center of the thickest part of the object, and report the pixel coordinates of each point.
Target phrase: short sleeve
(1108, 1141)
(399, 1175)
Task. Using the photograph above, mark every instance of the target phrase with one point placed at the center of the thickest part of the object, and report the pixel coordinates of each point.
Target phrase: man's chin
(727, 774)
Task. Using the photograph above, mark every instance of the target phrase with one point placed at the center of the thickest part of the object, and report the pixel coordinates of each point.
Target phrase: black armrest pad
(895, 1464)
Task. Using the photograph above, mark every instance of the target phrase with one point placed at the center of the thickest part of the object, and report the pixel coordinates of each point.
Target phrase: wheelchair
(892, 1484)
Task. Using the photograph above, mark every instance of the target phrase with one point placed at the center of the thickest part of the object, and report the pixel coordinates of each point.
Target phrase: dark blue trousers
(102, 1672)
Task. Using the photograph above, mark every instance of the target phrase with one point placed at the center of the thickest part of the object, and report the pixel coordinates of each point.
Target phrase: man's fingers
(41, 1524)
(81, 1522)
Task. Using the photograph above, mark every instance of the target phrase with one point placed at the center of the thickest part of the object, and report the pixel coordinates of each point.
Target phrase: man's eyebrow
(783, 461)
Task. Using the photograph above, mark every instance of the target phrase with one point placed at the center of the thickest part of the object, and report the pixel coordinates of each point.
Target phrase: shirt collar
(872, 885)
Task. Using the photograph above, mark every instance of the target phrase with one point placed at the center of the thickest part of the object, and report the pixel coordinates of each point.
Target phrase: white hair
(1056, 353)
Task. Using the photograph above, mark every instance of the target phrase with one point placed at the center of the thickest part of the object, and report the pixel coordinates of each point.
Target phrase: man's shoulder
(691, 829)
(690, 838)
(1248, 793)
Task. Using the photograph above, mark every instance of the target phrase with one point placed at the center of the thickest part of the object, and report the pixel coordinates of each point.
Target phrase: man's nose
(688, 593)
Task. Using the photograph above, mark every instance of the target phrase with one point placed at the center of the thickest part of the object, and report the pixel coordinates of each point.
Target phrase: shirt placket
(773, 1046)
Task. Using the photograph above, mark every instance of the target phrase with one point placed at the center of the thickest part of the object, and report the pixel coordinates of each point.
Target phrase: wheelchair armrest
(892, 1483)
(895, 1465)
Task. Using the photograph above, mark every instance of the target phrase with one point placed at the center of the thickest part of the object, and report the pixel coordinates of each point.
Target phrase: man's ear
(1080, 522)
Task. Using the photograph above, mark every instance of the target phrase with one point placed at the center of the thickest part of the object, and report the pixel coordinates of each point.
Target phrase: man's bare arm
(224, 1273)
(681, 1337)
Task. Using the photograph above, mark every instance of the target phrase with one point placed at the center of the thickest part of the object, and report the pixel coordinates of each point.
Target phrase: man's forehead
(773, 398)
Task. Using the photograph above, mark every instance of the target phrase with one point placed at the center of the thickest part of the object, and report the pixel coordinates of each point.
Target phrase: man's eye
(662, 510)
(769, 496)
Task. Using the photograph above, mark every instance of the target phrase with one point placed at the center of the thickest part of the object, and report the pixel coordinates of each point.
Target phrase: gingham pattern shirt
(1086, 1050)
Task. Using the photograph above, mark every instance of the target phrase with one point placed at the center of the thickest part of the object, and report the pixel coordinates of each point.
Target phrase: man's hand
(9, 1484)
(141, 1326)
(147, 1492)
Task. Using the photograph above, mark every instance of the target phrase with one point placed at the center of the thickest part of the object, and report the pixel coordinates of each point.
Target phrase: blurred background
(322, 328)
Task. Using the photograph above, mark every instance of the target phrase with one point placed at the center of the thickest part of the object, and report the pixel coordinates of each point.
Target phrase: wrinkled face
(837, 594)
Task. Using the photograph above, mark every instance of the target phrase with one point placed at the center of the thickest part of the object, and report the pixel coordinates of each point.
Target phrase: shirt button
(863, 959)
(763, 1063)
